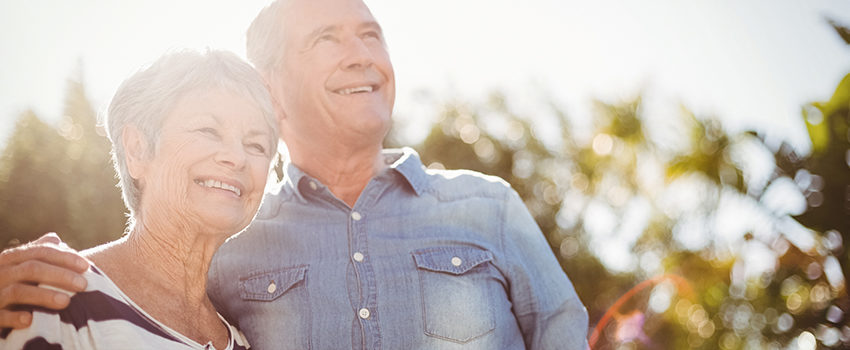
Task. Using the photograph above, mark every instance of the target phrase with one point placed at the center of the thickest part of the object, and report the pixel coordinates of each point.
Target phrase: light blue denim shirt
(424, 260)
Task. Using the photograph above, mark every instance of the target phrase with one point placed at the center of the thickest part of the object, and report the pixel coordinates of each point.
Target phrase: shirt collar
(405, 161)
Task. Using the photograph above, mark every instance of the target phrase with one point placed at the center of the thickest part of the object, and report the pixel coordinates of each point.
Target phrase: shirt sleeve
(47, 331)
(550, 313)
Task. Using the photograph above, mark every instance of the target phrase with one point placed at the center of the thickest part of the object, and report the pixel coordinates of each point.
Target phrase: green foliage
(32, 192)
(60, 179)
(622, 188)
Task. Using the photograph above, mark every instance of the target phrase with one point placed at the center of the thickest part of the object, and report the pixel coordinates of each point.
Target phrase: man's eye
(258, 147)
(372, 34)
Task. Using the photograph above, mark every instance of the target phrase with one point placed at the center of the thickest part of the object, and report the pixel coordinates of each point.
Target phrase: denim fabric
(424, 260)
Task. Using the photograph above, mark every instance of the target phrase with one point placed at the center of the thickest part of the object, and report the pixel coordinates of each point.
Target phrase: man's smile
(355, 90)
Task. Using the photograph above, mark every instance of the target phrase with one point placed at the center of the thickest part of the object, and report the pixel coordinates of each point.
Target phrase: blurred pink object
(630, 328)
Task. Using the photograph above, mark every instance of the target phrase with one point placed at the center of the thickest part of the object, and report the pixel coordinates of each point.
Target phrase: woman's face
(209, 168)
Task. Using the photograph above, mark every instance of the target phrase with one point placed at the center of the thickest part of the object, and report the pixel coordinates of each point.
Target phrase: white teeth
(353, 90)
(218, 184)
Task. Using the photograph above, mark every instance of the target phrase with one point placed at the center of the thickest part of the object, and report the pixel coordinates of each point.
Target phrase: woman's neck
(166, 271)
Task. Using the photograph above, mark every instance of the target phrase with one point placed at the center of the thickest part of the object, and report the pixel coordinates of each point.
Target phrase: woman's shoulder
(64, 327)
(97, 318)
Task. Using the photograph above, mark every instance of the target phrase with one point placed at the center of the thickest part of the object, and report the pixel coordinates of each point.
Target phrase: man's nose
(357, 54)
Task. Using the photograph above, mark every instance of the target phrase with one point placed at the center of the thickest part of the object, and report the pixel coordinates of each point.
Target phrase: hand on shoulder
(46, 260)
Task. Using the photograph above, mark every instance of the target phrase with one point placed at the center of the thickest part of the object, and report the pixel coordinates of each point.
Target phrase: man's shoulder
(276, 193)
(466, 183)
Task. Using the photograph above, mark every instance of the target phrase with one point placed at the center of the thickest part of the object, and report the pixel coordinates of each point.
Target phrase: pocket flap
(268, 285)
(453, 260)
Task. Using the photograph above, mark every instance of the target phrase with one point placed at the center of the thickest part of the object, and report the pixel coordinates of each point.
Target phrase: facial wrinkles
(186, 152)
(309, 75)
(168, 206)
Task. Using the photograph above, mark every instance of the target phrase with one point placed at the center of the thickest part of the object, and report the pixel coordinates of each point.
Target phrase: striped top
(103, 317)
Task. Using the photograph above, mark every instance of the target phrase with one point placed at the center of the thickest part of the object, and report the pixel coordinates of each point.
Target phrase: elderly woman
(193, 136)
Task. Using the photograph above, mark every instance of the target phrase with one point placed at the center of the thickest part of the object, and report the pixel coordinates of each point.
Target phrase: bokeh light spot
(828, 336)
(784, 323)
(834, 314)
(603, 144)
(806, 341)
(469, 133)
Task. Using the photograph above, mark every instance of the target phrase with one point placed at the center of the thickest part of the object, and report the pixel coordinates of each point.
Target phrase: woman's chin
(223, 224)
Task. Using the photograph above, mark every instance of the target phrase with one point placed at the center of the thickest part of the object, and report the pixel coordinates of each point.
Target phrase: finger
(15, 319)
(48, 253)
(50, 237)
(24, 294)
(39, 272)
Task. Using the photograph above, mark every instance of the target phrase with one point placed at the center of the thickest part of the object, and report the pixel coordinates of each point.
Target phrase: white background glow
(753, 63)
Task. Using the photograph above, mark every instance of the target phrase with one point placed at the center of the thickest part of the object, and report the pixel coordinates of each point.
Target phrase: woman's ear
(135, 151)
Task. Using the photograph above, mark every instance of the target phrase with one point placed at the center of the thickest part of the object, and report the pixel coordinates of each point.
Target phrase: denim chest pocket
(268, 286)
(456, 297)
(277, 304)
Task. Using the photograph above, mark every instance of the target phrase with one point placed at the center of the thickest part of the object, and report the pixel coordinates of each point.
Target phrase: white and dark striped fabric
(103, 317)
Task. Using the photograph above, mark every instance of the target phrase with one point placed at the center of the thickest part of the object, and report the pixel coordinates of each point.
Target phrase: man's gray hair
(148, 96)
(264, 39)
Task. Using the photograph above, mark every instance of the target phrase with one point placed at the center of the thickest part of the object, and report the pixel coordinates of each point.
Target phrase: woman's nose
(231, 155)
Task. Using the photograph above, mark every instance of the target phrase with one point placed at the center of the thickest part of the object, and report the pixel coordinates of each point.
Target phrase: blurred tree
(824, 175)
(93, 179)
(622, 207)
(32, 189)
(60, 179)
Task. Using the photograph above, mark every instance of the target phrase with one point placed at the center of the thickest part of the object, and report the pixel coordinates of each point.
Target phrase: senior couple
(358, 247)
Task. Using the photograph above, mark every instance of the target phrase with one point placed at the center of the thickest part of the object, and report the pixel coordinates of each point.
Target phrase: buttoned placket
(366, 311)
(364, 305)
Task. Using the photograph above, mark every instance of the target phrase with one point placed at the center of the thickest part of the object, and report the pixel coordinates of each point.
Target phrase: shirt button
(356, 216)
(358, 256)
(313, 185)
(272, 287)
(363, 313)
(456, 261)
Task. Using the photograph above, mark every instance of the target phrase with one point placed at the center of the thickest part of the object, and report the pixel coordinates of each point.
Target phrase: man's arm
(550, 313)
(43, 261)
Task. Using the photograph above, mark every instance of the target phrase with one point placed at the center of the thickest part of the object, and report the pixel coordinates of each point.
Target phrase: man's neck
(346, 173)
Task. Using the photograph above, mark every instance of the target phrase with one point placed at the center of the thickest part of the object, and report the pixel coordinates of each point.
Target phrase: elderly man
(361, 247)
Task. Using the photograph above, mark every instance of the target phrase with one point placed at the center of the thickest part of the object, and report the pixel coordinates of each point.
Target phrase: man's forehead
(305, 16)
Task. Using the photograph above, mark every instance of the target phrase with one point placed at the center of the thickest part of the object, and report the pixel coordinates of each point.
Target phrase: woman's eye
(324, 38)
(209, 131)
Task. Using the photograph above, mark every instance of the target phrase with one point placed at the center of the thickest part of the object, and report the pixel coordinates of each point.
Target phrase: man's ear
(273, 86)
(136, 151)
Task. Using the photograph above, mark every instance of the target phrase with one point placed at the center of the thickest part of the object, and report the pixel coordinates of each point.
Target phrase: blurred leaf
(842, 31)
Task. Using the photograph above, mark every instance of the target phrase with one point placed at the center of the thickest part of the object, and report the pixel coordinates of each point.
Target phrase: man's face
(335, 82)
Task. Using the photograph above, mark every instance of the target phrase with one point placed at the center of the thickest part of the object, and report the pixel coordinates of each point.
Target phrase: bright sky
(750, 62)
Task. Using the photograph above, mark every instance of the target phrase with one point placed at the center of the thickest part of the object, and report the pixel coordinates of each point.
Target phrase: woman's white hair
(148, 96)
